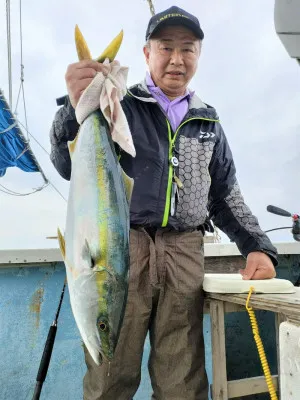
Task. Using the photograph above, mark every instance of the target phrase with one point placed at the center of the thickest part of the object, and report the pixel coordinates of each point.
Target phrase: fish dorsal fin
(62, 243)
(72, 145)
(128, 182)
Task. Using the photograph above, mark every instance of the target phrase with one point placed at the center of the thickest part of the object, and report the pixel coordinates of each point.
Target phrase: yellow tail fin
(84, 53)
(112, 49)
(81, 46)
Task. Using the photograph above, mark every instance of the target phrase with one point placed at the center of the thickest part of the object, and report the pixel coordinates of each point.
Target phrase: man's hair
(147, 44)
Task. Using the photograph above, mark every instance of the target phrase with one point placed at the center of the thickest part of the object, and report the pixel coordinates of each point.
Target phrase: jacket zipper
(171, 168)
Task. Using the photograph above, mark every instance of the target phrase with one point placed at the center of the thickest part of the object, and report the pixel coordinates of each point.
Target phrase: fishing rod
(295, 217)
(45, 360)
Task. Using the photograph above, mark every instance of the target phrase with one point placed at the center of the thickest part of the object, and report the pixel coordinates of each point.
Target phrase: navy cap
(174, 16)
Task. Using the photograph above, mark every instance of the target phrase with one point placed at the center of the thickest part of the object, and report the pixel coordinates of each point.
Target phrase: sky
(244, 72)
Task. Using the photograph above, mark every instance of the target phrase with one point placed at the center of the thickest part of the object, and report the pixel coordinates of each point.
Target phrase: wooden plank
(228, 307)
(219, 388)
(206, 307)
(287, 304)
(290, 298)
(232, 307)
(245, 387)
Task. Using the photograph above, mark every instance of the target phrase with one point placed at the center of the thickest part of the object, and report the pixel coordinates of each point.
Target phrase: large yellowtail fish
(95, 246)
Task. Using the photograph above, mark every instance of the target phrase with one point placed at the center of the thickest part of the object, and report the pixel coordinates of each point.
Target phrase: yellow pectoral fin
(62, 244)
(128, 182)
(72, 145)
(112, 49)
(81, 46)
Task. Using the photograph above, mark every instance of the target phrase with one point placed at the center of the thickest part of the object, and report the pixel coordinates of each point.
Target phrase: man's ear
(147, 53)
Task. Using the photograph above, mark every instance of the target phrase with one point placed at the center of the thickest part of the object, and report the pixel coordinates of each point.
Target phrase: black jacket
(205, 169)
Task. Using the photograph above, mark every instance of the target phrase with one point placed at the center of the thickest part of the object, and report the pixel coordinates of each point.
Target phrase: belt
(151, 230)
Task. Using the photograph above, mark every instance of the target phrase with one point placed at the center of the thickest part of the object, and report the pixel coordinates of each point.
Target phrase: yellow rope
(260, 348)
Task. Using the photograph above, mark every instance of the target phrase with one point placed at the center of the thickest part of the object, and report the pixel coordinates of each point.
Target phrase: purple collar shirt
(175, 110)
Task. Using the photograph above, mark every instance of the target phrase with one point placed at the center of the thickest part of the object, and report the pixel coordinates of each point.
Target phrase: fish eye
(102, 326)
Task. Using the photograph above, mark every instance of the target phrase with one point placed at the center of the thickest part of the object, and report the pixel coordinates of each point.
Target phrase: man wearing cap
(182, 171)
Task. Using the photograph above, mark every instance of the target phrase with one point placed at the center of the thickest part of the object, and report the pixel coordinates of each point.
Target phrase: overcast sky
(244, 72)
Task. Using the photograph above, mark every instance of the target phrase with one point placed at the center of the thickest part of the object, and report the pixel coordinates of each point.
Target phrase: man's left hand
(258, 266)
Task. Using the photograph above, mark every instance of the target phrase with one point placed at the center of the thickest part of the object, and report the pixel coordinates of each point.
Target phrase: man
(183, 168)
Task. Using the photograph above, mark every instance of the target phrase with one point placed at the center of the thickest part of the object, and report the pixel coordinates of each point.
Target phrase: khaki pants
(165, 297)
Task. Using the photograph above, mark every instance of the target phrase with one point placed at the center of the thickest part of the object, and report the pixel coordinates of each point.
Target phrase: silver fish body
(96, 240)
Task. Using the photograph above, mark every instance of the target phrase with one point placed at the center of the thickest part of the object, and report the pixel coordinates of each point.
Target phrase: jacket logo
(206, 135)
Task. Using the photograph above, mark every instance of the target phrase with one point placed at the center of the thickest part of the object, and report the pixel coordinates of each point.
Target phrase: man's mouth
(175, 73)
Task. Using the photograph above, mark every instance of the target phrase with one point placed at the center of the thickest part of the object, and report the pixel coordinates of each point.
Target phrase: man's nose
(176, 57)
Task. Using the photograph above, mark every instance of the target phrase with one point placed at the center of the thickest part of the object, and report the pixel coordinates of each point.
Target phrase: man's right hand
(79, 75)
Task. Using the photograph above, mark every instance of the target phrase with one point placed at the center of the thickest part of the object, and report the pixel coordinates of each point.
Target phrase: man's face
(172, 58)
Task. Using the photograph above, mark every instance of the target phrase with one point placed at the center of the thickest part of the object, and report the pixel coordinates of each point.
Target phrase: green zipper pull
(175, 164)
(178, 181)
